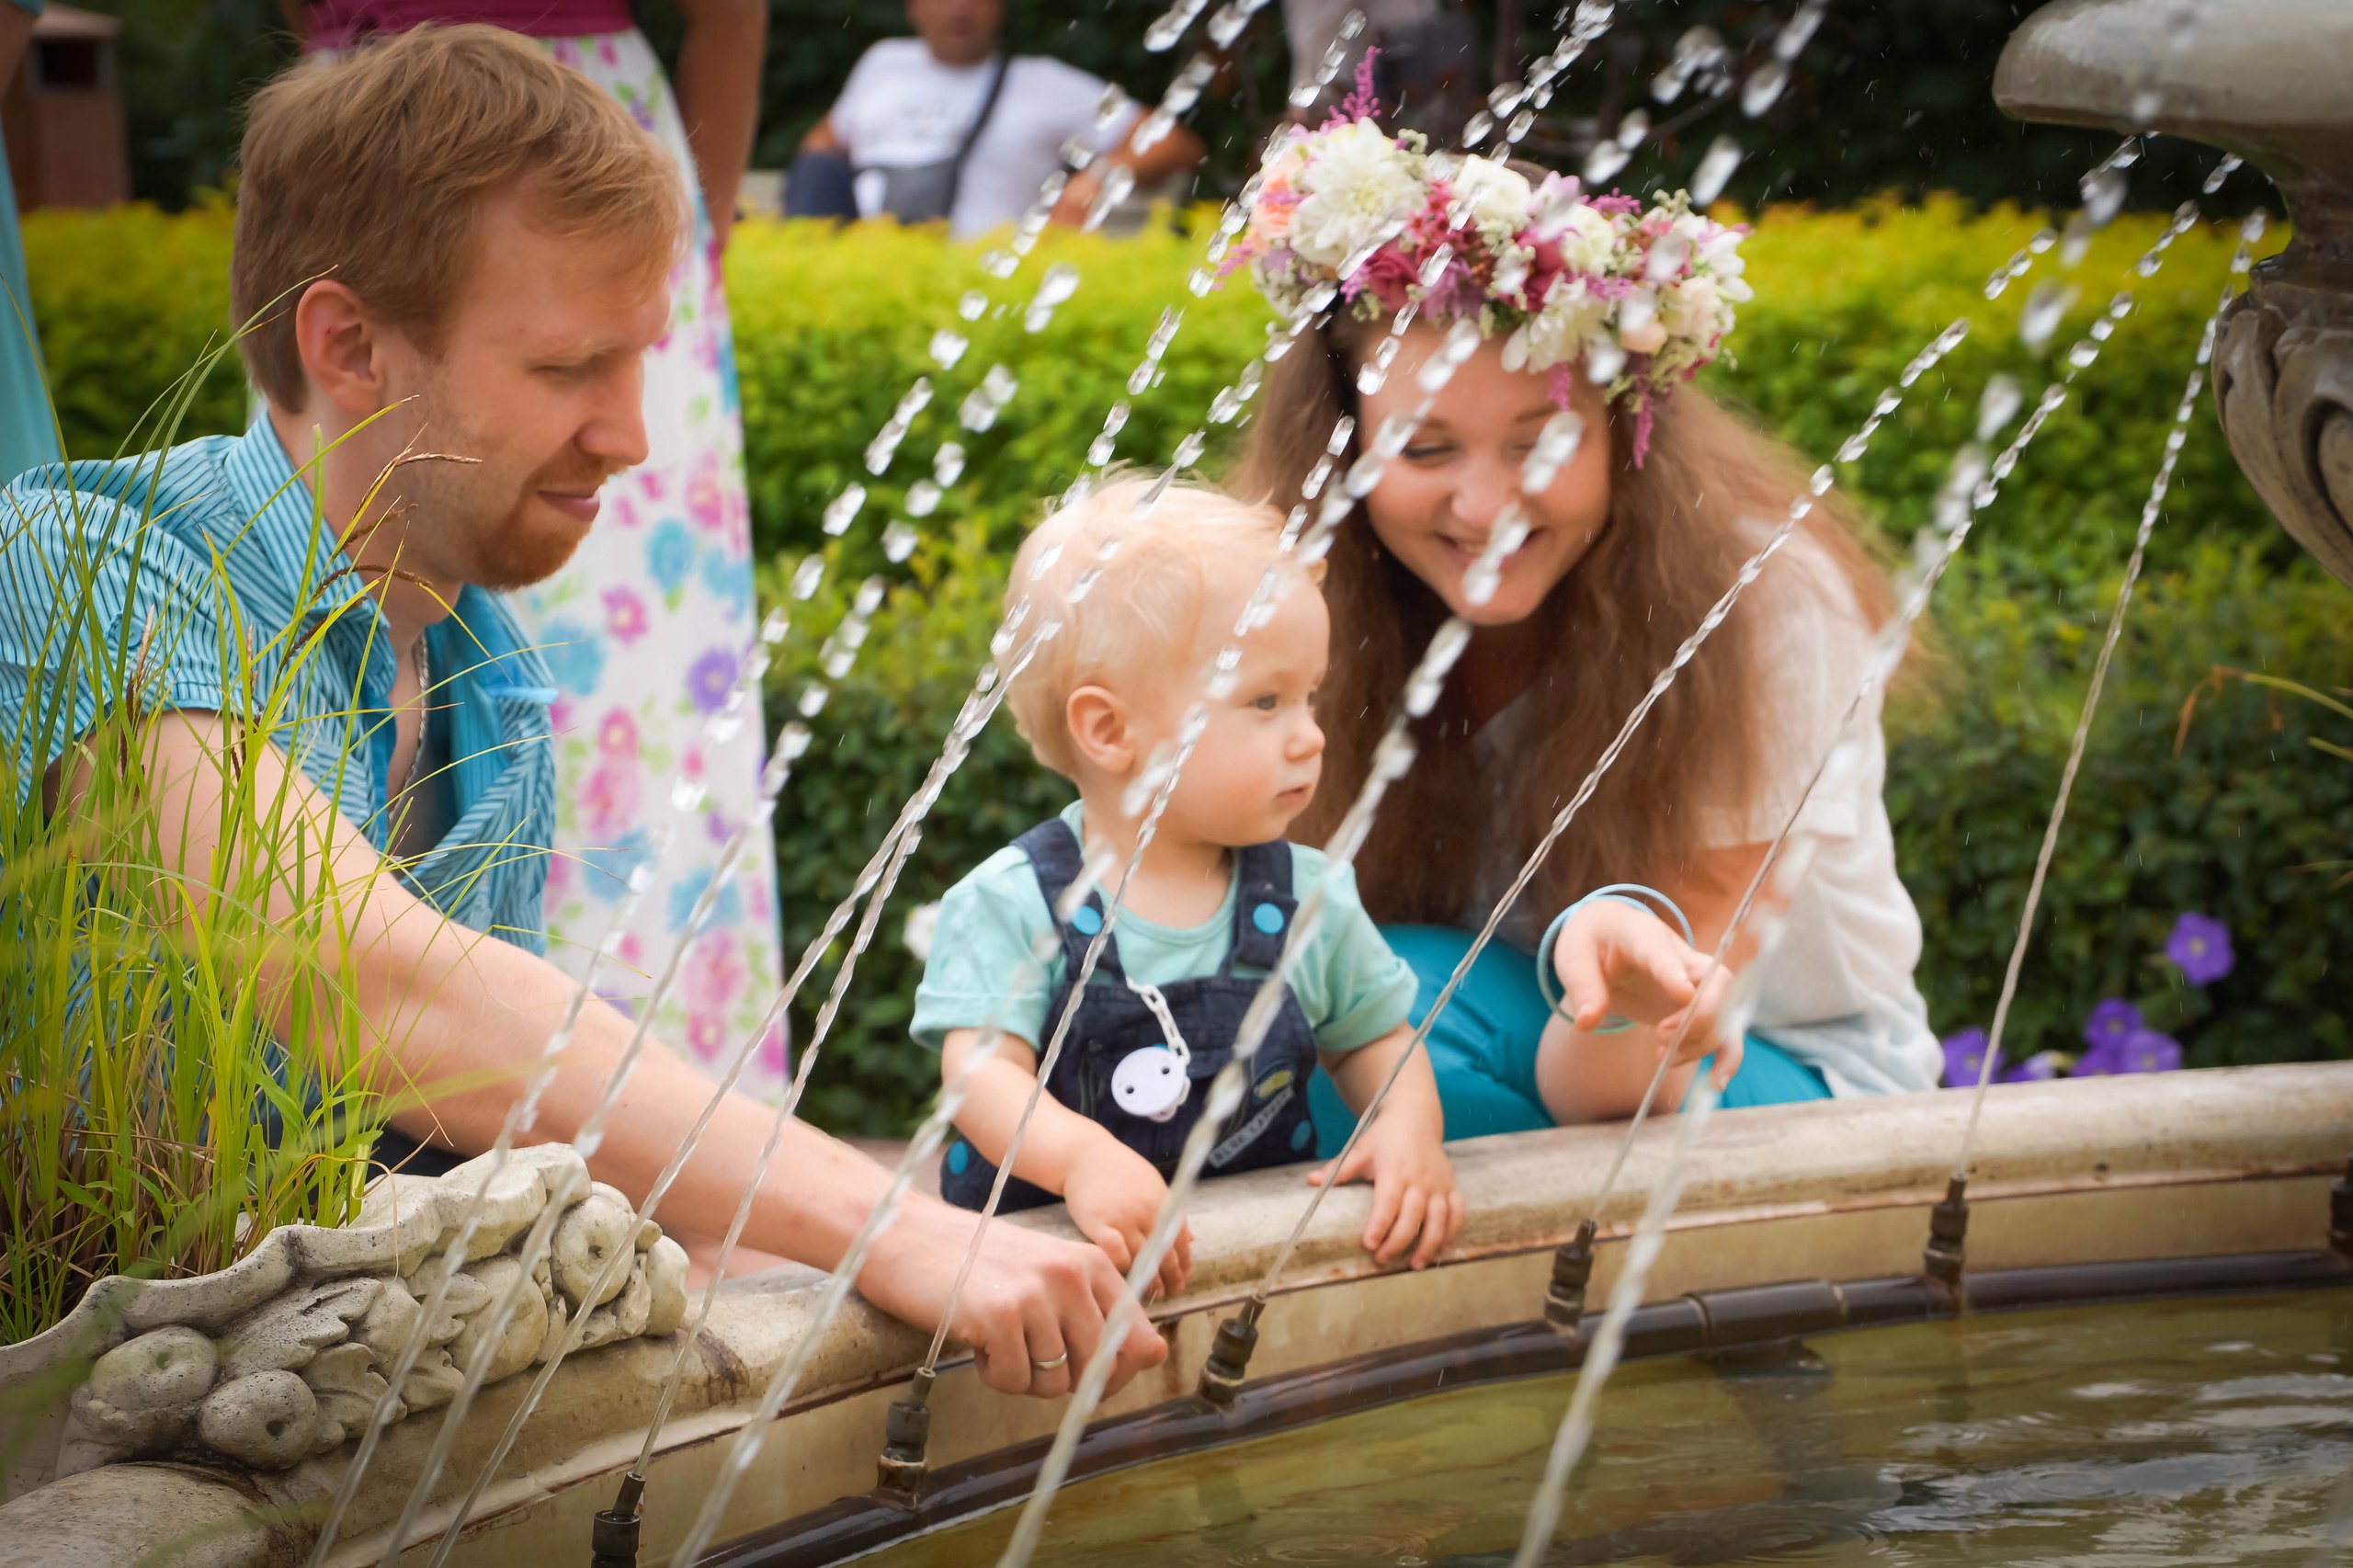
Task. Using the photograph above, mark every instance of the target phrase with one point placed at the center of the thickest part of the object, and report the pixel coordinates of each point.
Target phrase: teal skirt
(1483, 1048)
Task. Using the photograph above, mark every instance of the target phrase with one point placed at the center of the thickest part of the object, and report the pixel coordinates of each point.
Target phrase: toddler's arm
(1112, 1192)
(1403, 1152)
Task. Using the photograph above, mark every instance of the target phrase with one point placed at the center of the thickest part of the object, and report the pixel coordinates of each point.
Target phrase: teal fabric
(206, 565)
(1352, 988)
(1483, 1048)
(27, 437)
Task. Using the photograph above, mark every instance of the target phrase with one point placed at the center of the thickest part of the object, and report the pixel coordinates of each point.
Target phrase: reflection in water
(2153, 1435)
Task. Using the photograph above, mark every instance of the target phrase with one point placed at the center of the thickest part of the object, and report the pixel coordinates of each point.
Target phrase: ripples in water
(2168, 1434)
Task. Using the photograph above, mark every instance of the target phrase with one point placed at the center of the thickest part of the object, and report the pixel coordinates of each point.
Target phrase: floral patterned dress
(643, 632)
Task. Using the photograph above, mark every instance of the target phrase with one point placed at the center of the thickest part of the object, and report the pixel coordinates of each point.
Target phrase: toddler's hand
(1413, 1188)
(1113, 1196)
(1613, 958)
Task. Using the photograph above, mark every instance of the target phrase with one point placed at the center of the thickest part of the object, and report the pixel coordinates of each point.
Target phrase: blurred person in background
(644, 629)
(946, 124)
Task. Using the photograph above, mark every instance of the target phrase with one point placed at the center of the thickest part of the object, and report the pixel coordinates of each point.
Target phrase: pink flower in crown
(625, 618)
(1544, 269)
(1456, 293)
(616, 736)
(1390, 277)
(706, 497)
(714, 972)
(1271, 222)
(608, 800)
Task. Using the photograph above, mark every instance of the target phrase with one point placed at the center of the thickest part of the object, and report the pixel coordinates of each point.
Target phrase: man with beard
(450, 254)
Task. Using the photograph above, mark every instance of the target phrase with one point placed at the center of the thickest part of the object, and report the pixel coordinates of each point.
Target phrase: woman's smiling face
(1441, 499)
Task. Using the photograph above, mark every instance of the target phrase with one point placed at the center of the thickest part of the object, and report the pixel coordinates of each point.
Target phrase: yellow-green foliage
(127, 300)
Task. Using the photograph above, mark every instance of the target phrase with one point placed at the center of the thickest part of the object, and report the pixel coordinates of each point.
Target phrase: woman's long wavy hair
(1679, 531)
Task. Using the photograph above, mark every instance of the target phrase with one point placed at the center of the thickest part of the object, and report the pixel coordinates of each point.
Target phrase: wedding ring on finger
(1056, 1365)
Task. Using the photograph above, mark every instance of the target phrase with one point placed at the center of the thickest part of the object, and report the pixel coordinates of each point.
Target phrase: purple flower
(2039, 1067)
(2110, 1023)
(710, 677)
(2142, 1050)
(2200, 947)
(1965, 1059)
(2149, 1051)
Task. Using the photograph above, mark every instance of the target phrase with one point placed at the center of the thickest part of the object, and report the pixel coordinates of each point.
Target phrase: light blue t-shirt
(1352, 988)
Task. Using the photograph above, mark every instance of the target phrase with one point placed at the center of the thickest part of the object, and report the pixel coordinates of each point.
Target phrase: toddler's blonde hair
(1126, 580)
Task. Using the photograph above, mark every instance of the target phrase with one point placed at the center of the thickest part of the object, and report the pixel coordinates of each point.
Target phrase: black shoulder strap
(1056, 857)
(1263, 906)
(980, 123)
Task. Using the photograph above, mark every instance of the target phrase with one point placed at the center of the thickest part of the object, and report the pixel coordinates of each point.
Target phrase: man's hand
(1413, 1187)
(1612, 958)
(1031, 1298)
(1077, 199)
(1113, 1196)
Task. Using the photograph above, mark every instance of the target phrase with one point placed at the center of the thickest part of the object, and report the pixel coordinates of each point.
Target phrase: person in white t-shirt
(912, 105)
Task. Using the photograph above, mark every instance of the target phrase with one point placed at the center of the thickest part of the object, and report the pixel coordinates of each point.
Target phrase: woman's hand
(1413, 1188)
(1113, 1195)
(1614, 957)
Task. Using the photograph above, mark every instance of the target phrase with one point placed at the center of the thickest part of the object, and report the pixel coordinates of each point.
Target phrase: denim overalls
(1114, 1021)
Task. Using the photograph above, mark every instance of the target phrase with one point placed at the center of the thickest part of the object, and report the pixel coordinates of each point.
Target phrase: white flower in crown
(1573, 315)
(1358, 188)
(1696, 309)
(1493, 197)
(1587, 238)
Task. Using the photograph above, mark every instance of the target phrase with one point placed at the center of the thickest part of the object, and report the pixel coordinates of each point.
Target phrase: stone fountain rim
(2239, 1133)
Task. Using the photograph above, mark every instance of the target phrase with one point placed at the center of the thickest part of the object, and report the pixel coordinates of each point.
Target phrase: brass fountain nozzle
(1229, 1360)
(906, 1434)
(1571, 1272)
(2340, 1212)
(612, 1535)
(1948, 1234)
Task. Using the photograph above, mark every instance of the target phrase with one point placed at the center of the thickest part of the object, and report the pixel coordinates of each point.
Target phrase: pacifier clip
(1154, 1082)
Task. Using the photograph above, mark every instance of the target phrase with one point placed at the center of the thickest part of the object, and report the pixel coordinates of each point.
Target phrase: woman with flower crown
(1640, 498)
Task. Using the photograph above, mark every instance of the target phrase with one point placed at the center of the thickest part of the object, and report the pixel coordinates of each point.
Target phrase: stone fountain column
(2271, 81)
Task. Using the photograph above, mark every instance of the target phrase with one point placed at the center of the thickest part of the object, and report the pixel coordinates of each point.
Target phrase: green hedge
(833, 325)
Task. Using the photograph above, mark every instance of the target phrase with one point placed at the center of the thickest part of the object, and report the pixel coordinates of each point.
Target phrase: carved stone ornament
(2283, 386)
(2271, 81)
(285, 1355)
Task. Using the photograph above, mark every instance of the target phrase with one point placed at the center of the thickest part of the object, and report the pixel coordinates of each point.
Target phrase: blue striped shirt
(211, 583)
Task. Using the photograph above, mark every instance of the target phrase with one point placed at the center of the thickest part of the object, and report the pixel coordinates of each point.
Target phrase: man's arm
(719, 96)
(1174, 153)
(443, 1003)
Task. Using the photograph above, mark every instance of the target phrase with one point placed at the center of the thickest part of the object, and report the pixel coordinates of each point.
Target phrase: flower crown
(1642, 297)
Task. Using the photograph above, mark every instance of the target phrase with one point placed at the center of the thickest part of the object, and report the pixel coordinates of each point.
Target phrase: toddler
(1207, 912)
